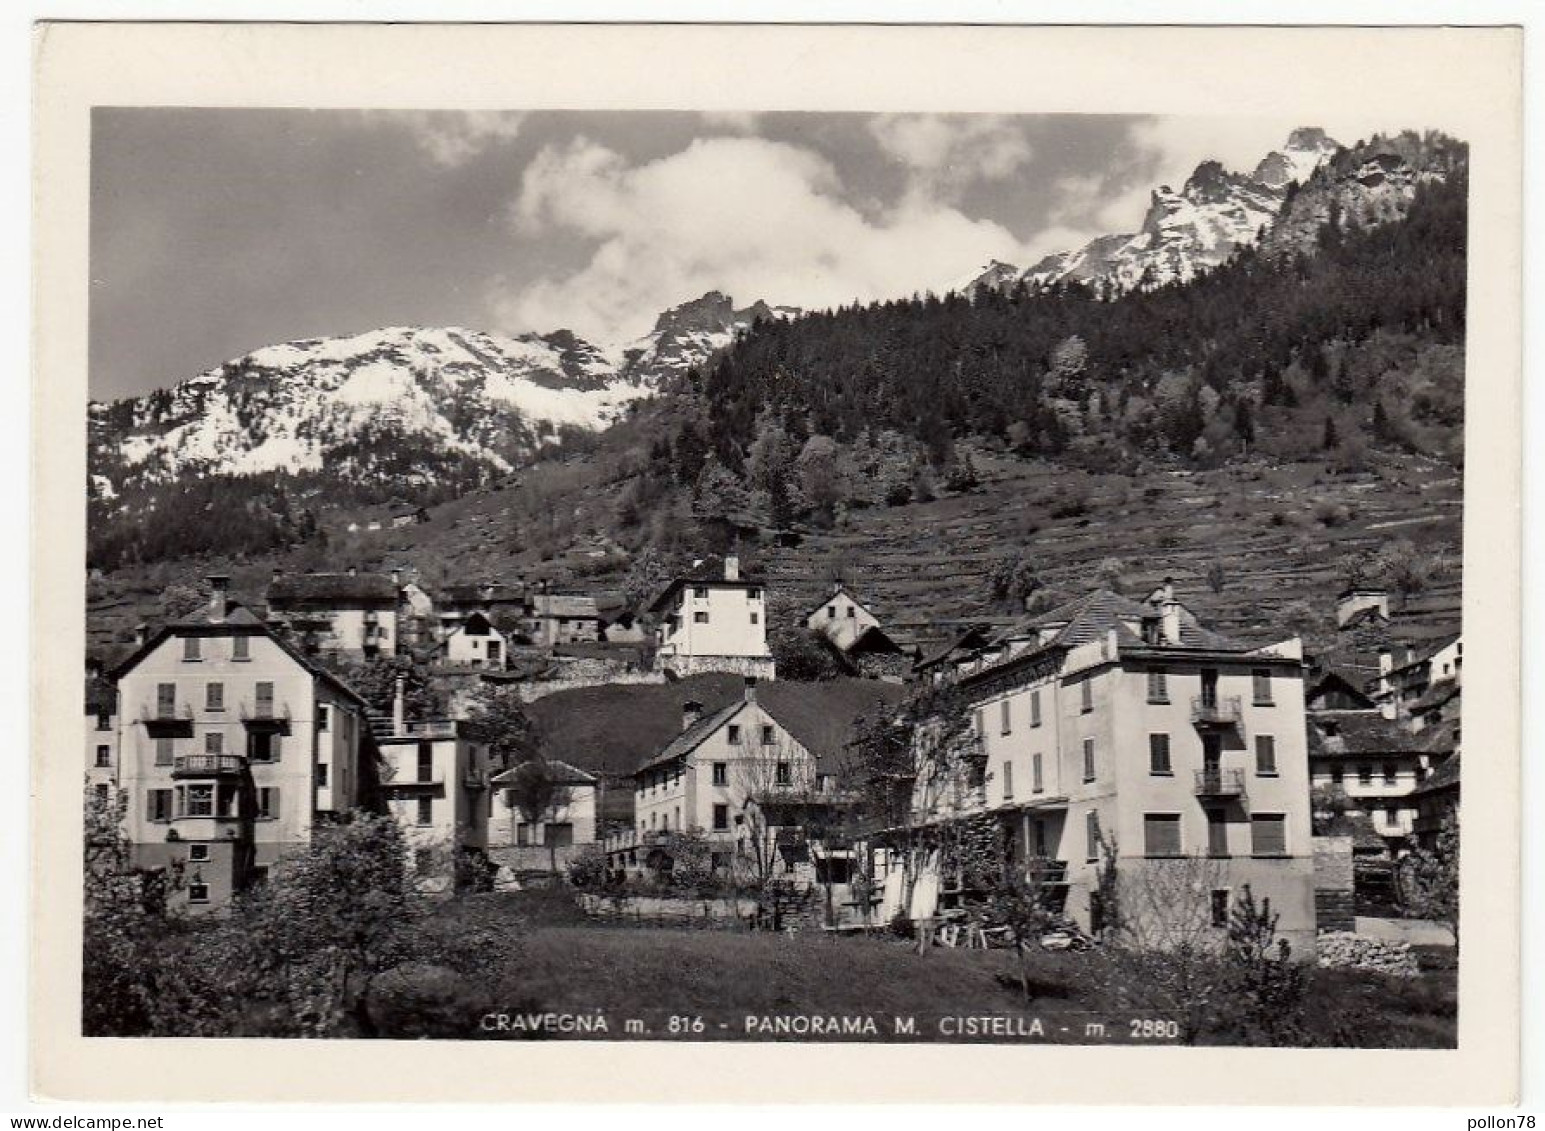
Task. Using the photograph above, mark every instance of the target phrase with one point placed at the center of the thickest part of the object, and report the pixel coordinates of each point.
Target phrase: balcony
(1220, 783)
(383, 727)
(208, 765)
(1216, 711)
(264, 714)
(167, 720)
(475, 779)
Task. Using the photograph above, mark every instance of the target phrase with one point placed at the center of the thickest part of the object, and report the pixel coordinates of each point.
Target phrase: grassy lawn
(569, 966)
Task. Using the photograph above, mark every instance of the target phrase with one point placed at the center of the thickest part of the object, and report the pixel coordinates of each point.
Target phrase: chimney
(1386, 661)
(141, 634)
(731, 567)
(691, 712)
(750, 689)
(1389, 710)
(396, 577)
(1169, 612)
(219, 590)
(399, 709)
(354, 571)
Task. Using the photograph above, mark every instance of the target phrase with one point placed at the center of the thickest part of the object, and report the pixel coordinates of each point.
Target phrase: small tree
(1217, 576)
(538, 794)
(498, 719)
(1429, 878)
(1271, 985)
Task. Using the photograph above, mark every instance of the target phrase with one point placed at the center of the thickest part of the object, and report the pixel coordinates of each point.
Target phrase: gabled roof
(1436, 695)
(1444, 778)
(562, 773)
(1098, 612)
(973, 637)
(1336, 734)
(565, 605)
(840, 591)
(1439, 738)
(480, 594)
(238, 620)
(819, 716)
(876, 642)
(1333, 679)
(1426, 654)
(332, 587)
(1361, 617)
(708, 571)
(475, 620)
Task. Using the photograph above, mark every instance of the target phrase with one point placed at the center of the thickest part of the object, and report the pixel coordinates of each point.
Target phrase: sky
(216, 232)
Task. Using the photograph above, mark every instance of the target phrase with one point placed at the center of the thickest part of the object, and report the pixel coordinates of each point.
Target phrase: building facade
(1111, 724)
(353, 614)
(476, 644)
(842, 617)
(232, 748)
(714, 619)
(569, 821)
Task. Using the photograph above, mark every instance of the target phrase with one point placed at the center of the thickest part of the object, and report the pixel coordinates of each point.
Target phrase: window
(240, 646)
(721, 773)
(191, 648)
(1337, 775)
(831, 612)
(1364, 775)
(103, 794)
(1268, 834)
(1260, 683)
(1040, 838)
(980, 718)
(850, 612)
(756, 617)
(200, 801)
(1217, 833)
(104, 757)
(268, 802)
(426, 761)
(426, 810)
(1158, 685)
(1089, 759)
(700, 618)
(1036, 782)
(1266, 755)
(732, 734)
(753, 594)
(265, 698)
(783, 774)
(262, 746)
(321, 775)
(214, 697)
(324, 716)
(198, 853)
(166, 700)
(104, 721)
(198, 893)
(1091, 835)
(1086, 694)
(1035, 707)
(1005, 723)
(1220, 907)
(163, 751)
(1158, 754)
(1391, 773)
(721, 818)
(1161, 834)
(423, 859)
(700, 592)
(769, 735)
(1008, 780)
(158, 805)
(214, 742)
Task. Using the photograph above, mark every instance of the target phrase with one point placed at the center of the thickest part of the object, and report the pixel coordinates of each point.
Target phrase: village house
(568, 820)
(1371, 760)
(505, 606)
(564, 618)
(232, 746)
(475, 644)
(855, 632)
(713, 618)
(1436, 800)
(101, 735)
(352, 613)
(1405, 679)
(1130, 723)
(749, 776)
(435, 783)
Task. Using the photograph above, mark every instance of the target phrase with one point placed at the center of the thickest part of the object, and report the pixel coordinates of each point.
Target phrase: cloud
(945, 153)
(453, 137)
(748, 216)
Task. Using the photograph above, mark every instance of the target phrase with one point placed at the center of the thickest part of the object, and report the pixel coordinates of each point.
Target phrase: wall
(1333, 884)
(580, 811)
(736, 626)
(842, 619)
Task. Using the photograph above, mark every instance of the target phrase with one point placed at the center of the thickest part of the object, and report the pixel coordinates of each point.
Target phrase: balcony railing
(1216, 711)
(383, 727)
(266, 713)
(1220, 783)
(207, 765)
(167, 718)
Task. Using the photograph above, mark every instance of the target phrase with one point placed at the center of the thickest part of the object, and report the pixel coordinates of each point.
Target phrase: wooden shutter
(166, 699)
(1089, 759)
(1035, 707)
(1265, 754)
(1036, 783)
(1158, 754)
(1008, 780)
(1260, 679)
(1158, 686)
(1161, 834)
(1092, 835)
(1268, 834)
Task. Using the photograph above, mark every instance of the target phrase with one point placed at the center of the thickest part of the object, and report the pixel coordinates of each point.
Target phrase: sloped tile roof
(332, 587)
(1335, 734)
(562, 772)
(565, 605)
(1444, 777)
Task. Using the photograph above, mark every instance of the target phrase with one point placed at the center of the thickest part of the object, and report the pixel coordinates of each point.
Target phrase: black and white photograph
(788, 576)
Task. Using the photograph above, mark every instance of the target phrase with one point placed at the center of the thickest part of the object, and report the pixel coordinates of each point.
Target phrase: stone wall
(1333, 883)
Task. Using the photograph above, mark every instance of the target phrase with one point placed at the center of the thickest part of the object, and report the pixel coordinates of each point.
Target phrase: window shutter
(1035, 773)
(1268, 834)
(1008, 780)
(1004, 717)
(1087, 692)
(1161, 834)
(1158, 753)
(150, 805)
(1261, 681)
(1092, 835)
(1089, 759)
(1265, 754)
(1158, 686)
(1035, 707)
